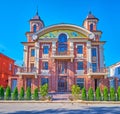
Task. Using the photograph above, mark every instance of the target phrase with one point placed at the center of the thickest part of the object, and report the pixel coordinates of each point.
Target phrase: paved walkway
(58, 108)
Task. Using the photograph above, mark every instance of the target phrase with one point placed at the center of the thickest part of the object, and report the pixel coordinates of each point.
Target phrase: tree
(98, 94)
(22, 93)
(28, 94)
(15, 94)
(75, 91)
(8, 93)
(118, 93)
(1, 93)
(105, 94)
(36, 95)
(112, 94)
(44, 90)
(83, 94)
(90, 94)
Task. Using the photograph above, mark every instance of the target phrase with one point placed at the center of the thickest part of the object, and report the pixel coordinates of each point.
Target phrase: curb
(78, 101)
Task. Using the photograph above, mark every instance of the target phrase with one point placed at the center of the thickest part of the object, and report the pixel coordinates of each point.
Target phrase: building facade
(7, 69)
(114, 75)
(62, 55)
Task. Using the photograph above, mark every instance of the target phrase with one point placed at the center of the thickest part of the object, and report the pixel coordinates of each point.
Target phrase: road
(58, 108)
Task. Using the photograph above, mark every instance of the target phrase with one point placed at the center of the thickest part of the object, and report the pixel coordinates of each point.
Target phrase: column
(37, 56)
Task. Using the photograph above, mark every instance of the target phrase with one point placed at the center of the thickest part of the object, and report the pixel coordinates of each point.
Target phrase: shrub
(83, 94)
(118, 93)
(36, 95)
(90, 94)
(15, 94)
(1, 93)
(98, 94)
(28, 93)
(22, 93)
(44, 90)
(75, 91)
(8, 93)
(105, 94)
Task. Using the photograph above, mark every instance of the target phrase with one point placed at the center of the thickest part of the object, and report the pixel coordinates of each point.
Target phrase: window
(10, 67)
(62, 43)
(45, 65)
(80, 82)
(118, 70)
(32, 52)
(32, 67)
(45, 49)
(14, 84)
(44, 81)
(80, 66)
(34, 28)
(80, 49)
(91, 27)
(94, 67)
(29, 81)
(94, 52)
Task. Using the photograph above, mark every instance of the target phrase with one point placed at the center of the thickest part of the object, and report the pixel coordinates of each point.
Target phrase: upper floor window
(45, 65)
(94, 67)
(62, 43)
(10, 67)
(32, 68)
(80, 49)
(91, 27)
(80, 65)
(94, 52)
(45, 49)
(32, 52)
(118, 70)
(34, 28)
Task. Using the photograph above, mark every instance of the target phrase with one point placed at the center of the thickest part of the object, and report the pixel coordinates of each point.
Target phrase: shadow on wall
(84, 110)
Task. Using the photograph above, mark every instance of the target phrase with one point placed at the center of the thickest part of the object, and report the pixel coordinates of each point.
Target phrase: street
(58, 108)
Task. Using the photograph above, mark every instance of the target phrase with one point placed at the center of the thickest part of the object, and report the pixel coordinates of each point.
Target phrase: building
(7, 68)
(62, 55)
(114, 75)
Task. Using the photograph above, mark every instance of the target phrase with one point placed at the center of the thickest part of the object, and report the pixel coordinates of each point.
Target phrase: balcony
(79, 73)
(26, 71)
(100, 71)
(45, 72)
(63, 55)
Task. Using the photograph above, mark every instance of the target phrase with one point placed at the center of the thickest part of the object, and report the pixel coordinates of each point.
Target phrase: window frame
(44, 50)
(79, 51)
(44, 67)
(32, 52)
(81, 81)
(79, 65)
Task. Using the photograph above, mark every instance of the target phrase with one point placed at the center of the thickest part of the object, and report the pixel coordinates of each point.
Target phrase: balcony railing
(26, 70)
(97, 71)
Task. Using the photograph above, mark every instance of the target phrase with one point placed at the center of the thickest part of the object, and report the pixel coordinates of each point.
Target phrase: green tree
(75, 91)
(98, 94)
(36, 95)
(28, 94)
(1, 93)
(22, 93)
(105, 94)
(44, 90)
(15, 94)
(83, 94)
(8, 93)
(90, 94)
(118, 93)
(112, 94)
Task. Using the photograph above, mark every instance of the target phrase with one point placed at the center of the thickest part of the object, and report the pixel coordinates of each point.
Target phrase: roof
(6, 56)
(91, 16)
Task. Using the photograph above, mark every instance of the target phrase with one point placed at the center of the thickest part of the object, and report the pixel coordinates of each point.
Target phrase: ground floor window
(28, 82)
(112, 83)
(80, 82)
(119, 82)
(44, 81)
(14, 84)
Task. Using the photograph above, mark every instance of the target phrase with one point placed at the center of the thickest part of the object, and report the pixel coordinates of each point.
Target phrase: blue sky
(15, 15)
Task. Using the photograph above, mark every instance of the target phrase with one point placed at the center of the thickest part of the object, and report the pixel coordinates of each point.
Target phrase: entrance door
(62, 84)
(96, 83)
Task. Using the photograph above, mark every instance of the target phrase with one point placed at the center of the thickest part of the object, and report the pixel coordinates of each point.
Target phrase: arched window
(34, 28)
(62, 43)
(91, 27)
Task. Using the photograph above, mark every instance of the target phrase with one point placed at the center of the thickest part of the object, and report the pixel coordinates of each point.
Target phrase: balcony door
(62, 84)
